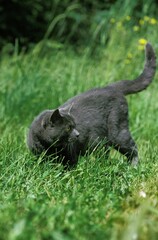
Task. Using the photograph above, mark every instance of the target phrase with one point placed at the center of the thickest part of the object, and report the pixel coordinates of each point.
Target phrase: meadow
(99, 199)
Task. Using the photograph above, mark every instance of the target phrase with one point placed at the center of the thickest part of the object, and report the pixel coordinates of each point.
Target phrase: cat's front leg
(70, 158)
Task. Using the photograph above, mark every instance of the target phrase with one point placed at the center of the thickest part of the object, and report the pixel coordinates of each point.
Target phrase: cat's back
(93, 107)
(94, 97)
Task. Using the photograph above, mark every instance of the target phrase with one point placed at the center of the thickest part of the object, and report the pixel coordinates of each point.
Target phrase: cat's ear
(67, 109)
(56, 117)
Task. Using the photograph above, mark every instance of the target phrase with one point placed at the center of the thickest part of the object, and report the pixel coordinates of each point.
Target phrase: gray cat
(98, 115)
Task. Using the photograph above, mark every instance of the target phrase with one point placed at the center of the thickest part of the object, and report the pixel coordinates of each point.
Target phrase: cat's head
(60, 127)
(52, 128)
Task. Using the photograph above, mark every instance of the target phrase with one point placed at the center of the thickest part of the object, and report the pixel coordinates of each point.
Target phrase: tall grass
(73, 22)
(100, 199)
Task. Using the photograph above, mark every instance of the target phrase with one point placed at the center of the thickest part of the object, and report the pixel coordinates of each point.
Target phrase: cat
(98, 115)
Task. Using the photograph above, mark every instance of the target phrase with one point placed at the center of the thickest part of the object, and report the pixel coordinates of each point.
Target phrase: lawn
(99, 199)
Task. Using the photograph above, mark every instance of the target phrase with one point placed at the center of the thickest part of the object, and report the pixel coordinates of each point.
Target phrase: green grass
(100, 199)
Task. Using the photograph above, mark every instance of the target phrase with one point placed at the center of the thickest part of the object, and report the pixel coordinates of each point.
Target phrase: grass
(100, 199)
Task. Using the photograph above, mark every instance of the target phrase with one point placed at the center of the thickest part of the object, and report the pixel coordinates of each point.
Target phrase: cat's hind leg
(125, 144)
(119, 134)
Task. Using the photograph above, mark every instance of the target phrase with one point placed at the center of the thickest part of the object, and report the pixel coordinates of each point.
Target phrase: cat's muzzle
(74, 135)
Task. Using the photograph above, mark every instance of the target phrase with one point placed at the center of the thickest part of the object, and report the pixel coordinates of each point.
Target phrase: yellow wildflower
(112, 20)
(142, 41)
(140, 47)
(128, 18)
(119, 24)
(129, 55)
(146, 18)
(128, 58)
(136, 28)
(141, 22)
(127, 61)
(153, 21)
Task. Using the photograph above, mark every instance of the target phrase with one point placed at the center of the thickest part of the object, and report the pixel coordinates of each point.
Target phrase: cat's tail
(144, 79)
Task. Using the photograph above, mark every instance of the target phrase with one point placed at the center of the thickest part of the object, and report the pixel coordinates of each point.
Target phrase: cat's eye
(68, 128)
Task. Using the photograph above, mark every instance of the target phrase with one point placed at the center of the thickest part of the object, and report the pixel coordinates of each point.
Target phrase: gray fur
(97, 115)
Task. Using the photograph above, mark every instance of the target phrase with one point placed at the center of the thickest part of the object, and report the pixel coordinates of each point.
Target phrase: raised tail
(145, 78)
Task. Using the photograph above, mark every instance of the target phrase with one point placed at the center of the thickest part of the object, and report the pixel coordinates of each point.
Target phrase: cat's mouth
(72, 140)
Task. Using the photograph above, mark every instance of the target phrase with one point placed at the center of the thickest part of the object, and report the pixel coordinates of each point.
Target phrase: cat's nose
(76, 133)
